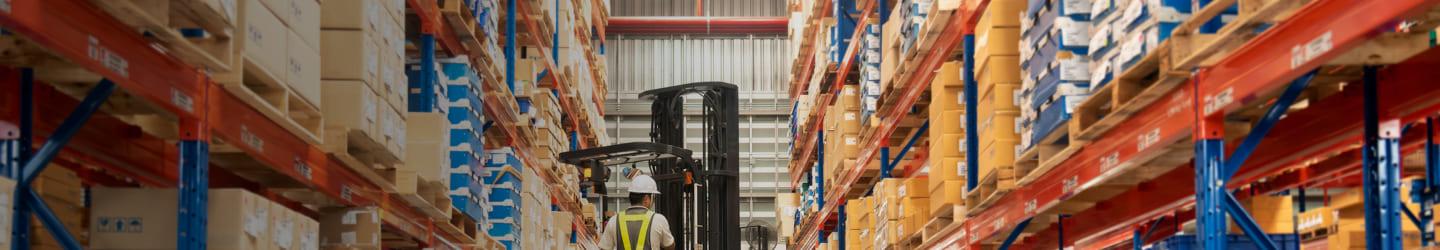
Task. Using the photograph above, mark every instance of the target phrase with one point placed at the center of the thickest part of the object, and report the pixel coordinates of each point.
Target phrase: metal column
(972, 144)
(1381, 172)
(194, 183)
(510, 44)
(428, 77)
(20, 147)
(26, 200)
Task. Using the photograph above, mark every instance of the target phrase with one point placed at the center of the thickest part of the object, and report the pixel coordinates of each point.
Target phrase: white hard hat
(643, 184)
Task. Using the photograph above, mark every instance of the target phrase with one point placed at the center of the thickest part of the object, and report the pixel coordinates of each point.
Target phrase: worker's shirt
(658, 237)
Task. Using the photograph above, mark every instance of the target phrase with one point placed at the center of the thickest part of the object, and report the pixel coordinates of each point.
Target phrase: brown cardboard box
(7, 189)
(1000, 153)
(393, 128)
(849, 145)
(849, 98)
(950, 122)
(944, 98)
(996, 42)
(949, 75)
(351, 105)
(265, 38)
(998, 70)
(238, 219)
(350, 228)
(948, 192)
(917, 212)
(950, 145)
(945, 169)
(352, 14)
(914, 187)
(996, 127)
(305, 21)
(847, 121)
(1001, 99)
(307, 231)
(1272, 213)
(1002, 14)
(303, 71)
(349, 55)
(429, 146)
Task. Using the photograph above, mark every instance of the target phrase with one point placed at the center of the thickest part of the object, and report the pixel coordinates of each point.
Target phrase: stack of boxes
(237, 219)
(1124, 31)
(503, 180)
(842, 133)
(870, 87)
(1056, 66)
(914, 205)
(362, 50)
(947, 137)
(281, 41)
(997, 62)
(536, 220)
(466, 146)
(786, 207)
(859, 223)
(912, 15)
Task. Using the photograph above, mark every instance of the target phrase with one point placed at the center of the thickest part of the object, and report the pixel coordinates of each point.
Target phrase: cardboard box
(428, 141)
(944, 98)
(950, 122)
(352, 14)
(849, 98)
(949, 75)
(998, 70)
(949, 145)
(1000, 98)
(238, 219)
(305, 21)
(996, 42)
(265, 38)
(847, 121)
(1002, 14)
(996, 127)
(349, 55)
(303, 71)
(7, 208)
(392, 128)
(914, 187)
(351, 105)
(1000, 153)
(950, 192)
(351, 228)
(945, 169)
(849, 145)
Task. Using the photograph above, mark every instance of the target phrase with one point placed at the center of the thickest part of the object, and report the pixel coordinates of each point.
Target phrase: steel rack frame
(1256, 69)
(960, 23)
(78, 31)
(503, 117)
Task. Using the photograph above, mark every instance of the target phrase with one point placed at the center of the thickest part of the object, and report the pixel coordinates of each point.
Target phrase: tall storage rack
(82, 34)
(1095, 196)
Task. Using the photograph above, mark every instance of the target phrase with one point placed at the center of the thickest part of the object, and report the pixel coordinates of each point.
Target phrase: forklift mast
(714, 178)
(717, 187)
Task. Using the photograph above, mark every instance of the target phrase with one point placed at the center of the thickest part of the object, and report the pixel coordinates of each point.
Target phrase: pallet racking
(1127, 174)
(109, 151)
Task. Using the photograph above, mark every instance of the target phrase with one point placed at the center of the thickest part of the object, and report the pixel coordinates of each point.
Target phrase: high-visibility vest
(634, 230)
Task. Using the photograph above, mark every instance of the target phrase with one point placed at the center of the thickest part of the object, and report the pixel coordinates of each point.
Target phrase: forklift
(703, 192)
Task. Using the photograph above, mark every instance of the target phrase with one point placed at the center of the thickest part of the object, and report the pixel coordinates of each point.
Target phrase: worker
(638, 228)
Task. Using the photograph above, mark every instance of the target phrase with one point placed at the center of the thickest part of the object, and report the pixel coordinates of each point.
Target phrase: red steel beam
(697, 25)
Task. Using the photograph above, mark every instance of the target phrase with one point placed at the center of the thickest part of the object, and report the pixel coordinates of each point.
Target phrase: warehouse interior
(719, 124)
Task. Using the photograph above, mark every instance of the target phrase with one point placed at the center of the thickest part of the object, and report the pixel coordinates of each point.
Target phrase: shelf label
(108, 58)
(346, 193)
(180, 99)
(1218, 101)
(1030, 207)
(302, 168)
(251, 140)
(1300, 55)
(1146, 140)
(998, 224)
(1109, 162)
(1067, 186)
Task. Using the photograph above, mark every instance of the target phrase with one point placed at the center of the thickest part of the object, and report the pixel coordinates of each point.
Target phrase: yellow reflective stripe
(624, 232)
(645, 227)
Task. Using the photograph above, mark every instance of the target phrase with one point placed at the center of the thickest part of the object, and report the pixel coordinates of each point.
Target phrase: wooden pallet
(1319, 233)
(1048, 153)
(263, 91)
(361, 153)
(947, 218)
(462, 226)
(990, 189)
(462, 23)
(426, 196)
(162, 21)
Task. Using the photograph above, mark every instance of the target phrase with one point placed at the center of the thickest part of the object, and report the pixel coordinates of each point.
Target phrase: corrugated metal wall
(756, 64)
(687, 8)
